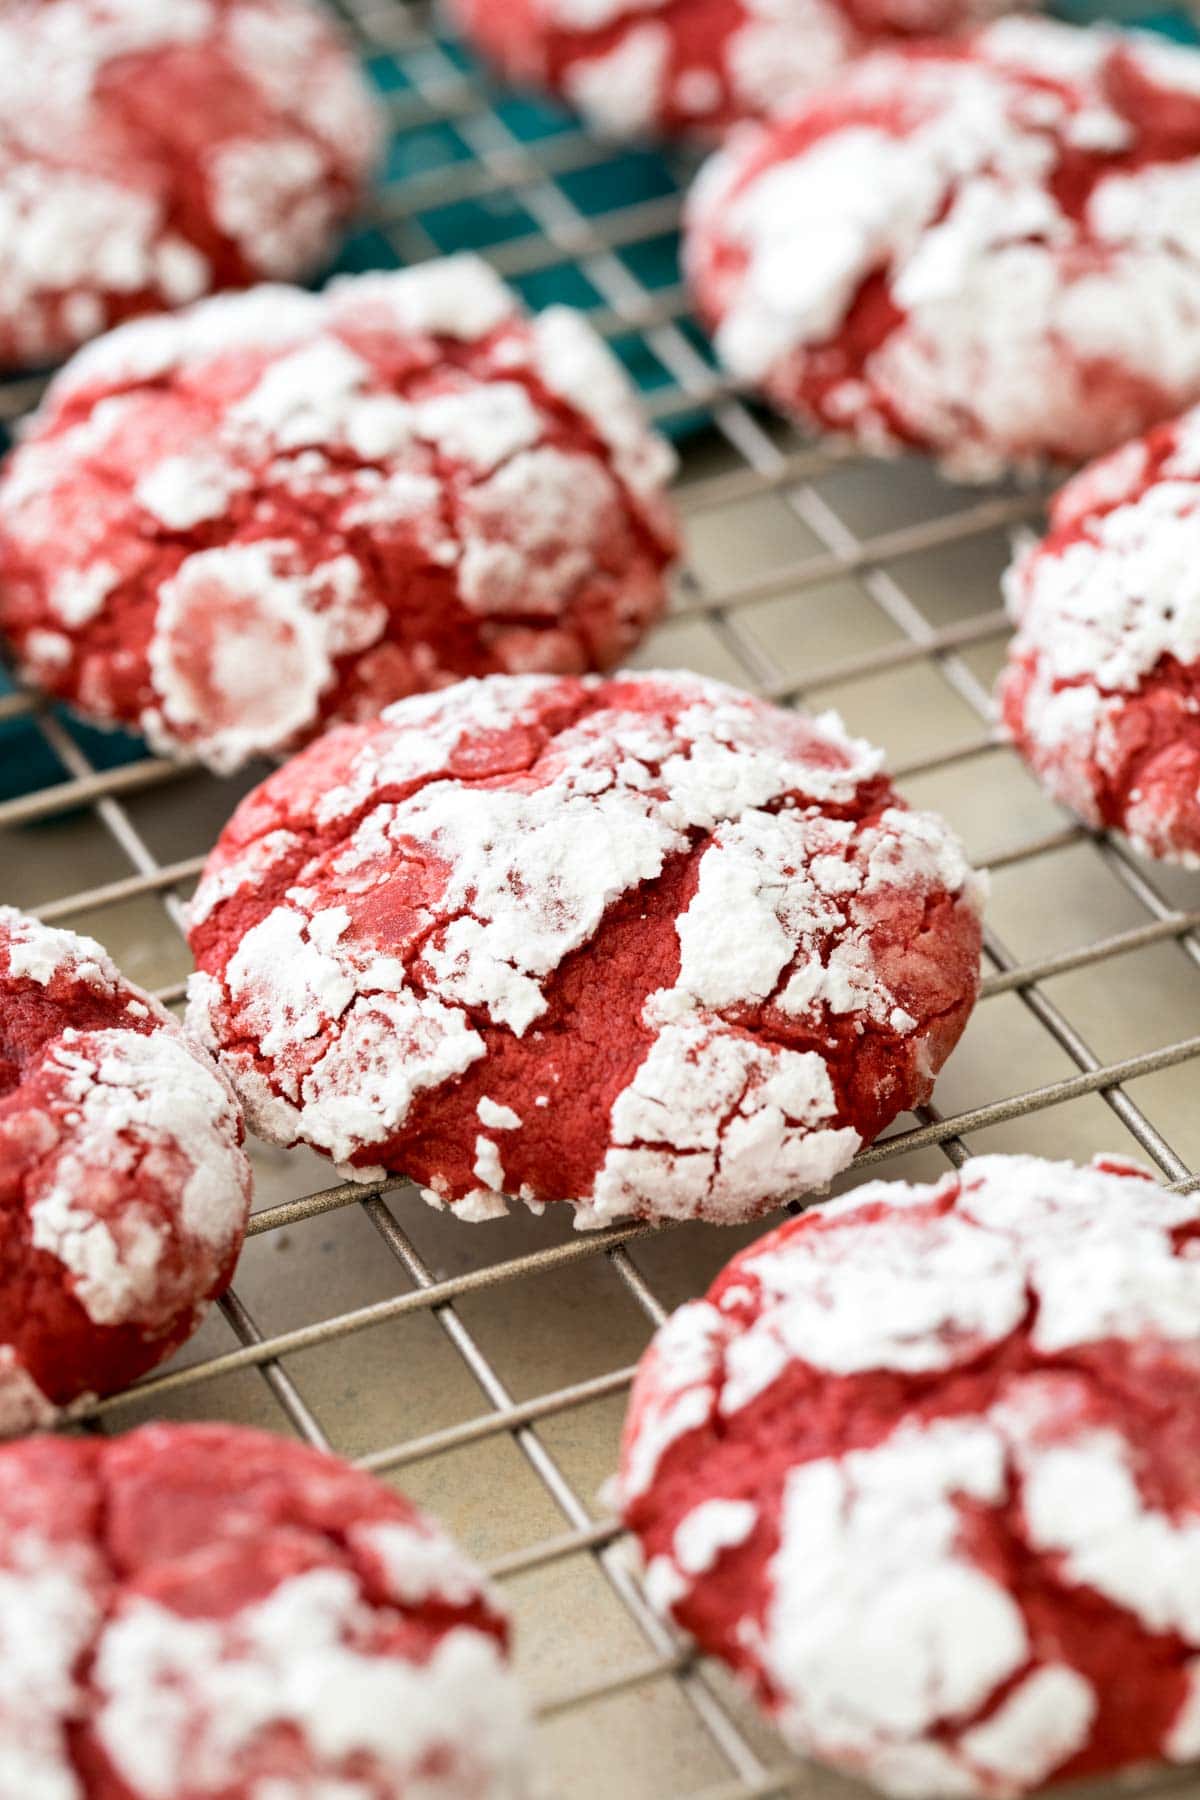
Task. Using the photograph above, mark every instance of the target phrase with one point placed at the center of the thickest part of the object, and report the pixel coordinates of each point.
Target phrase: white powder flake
(481, 429)
(1042, 1723)
(879, 1627)
(680, 1377)
(621, 91)
(23, 1406)
(709, 1529)
(1110, 606)
(499, 1118)
(79, 594)
(786, 51)
(184, 491)
(38, 952)
(421, 1565)
(711, 1116)
(925, 1295)
(240, 654)
(528, 533)
(389, 1049)
(1082, 1504)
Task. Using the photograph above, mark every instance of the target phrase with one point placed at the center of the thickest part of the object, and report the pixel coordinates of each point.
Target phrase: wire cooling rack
(486, 1368)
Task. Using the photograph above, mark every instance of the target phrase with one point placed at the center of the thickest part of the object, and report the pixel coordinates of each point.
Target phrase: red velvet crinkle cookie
(972, 250)
(1102, 687)
(645, 943)
(198, 1610)
(231, 527)
(922, 1468)
(123, 1186)
(635, 66)
(154, 150)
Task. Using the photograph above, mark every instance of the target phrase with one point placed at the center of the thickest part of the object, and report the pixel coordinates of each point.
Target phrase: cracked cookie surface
(976, 250)
(693, 66)
(280, 510)
(123, 1186)
(203, 1610)
(922, 1469)
(643, 943)
(1101, 691)
(152, 151)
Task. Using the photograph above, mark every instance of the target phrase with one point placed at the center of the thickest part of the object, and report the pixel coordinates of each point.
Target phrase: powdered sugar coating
(988, 252)
(278, 510)
(203, 1609)
(1102, 687)
(693, 66)
(122, 1179)
(172, 150)
(646, 944)
(919, 1468)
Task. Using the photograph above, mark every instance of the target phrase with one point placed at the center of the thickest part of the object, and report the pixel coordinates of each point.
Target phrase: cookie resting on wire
(201, 1610)
(922, 1469)
(278, 510)
(975, 250)
(646, 944)
(123, 1186)
(1102, 687)
(693, 66)
(152, 151)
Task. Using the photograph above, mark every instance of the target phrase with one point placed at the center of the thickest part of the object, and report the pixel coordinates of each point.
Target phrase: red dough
(1102, 688)
(154, 150)
(646, 944)
(971, 250)
(194, 1612)
(277, 510)
(123, 1187)
(633, 66)
(922, 1467)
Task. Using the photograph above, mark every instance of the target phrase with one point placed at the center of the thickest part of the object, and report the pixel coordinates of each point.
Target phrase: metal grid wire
(563, 215)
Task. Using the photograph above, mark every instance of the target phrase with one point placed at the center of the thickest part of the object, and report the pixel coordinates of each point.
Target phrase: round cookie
(692, 66)
(234, 526)
(152, 151)
(201, 1610)
(1102, 688)
(972, 250)
(123, 1186)
(922, 1468)
(646, 944)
